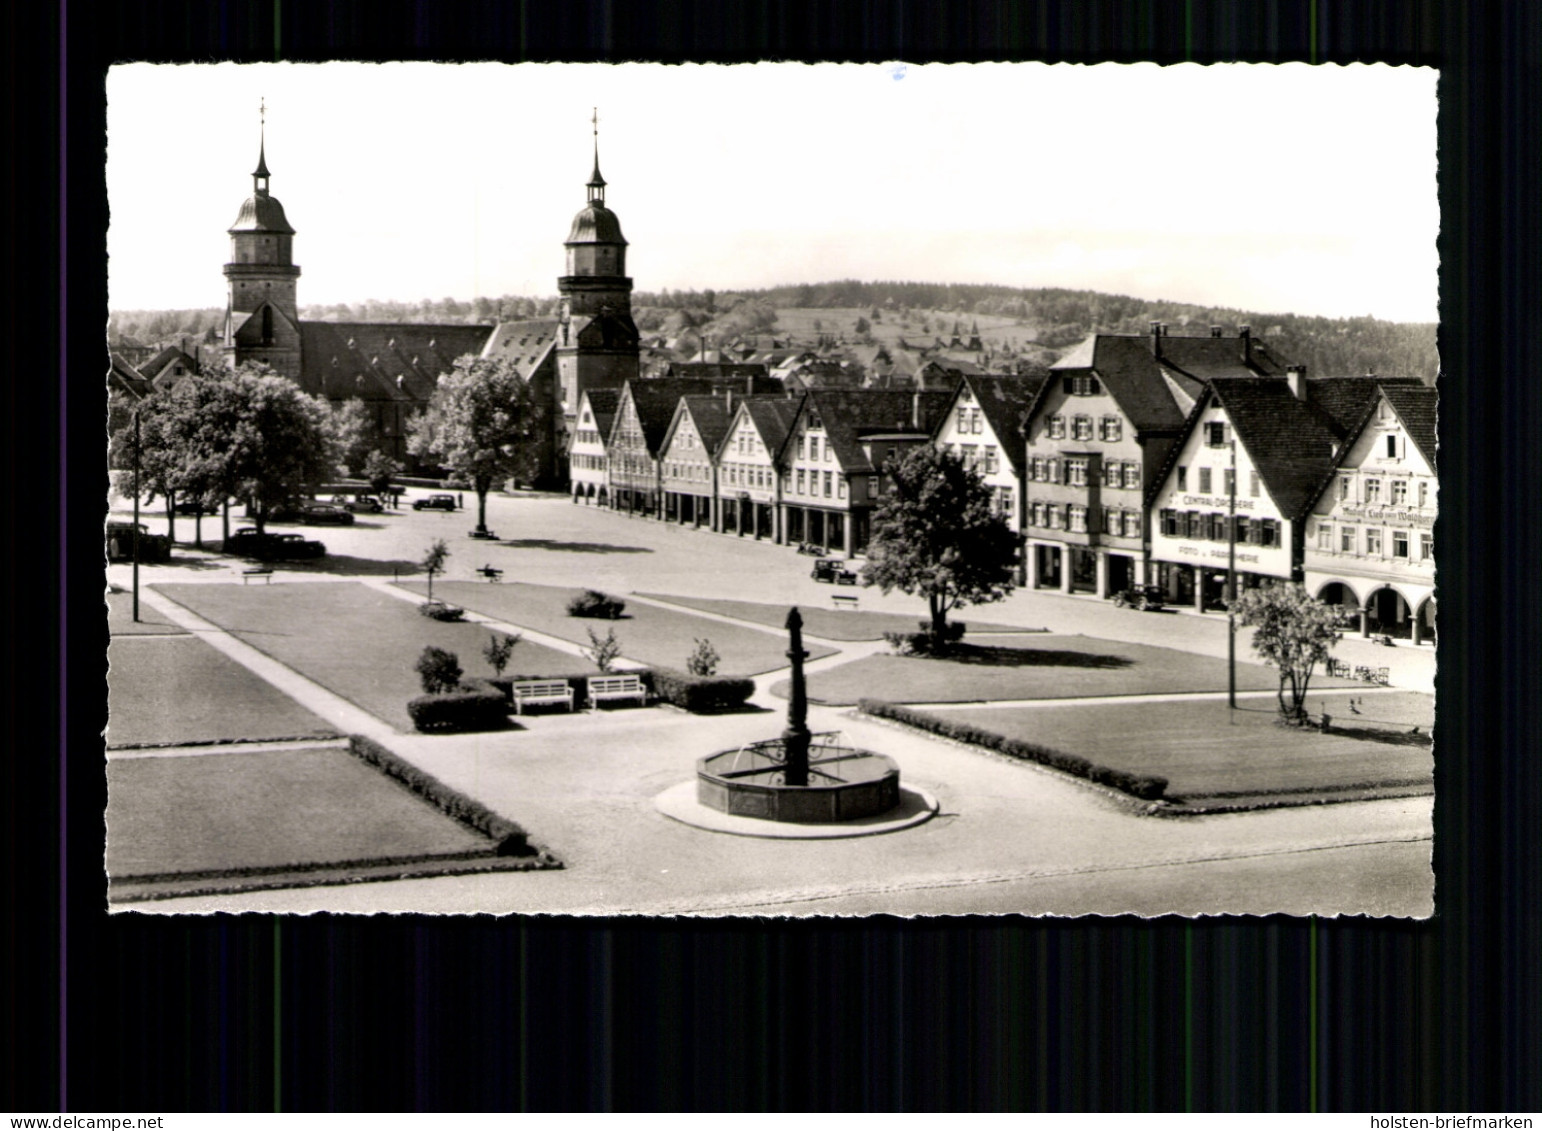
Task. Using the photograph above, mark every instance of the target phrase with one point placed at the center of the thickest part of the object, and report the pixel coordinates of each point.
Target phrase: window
(1204, 481)
(800, 445)
(829, 452)
(1080, 386)
(1056, 517)
(1132, 524)
(1111, 523)
(872, 486)
(1400, 492)
(1392, 446)
(1004, 501)
(1131, 476)
(1052, 470)
(1426, 547)
(1078, 517)
(1244, 530)
(1424, 493)
(1081, 428)
(1231, 481)
(1112, 474)
(1076, 472)
(800, 481)
(1324, 536)
(1057, 427)
(1346, 539)
(992, 463)
(1183, 478)
(1373, 490)
(1343, 488)
(1037, 517)
(970, 454)
(1215, 434)
(1373, 542)
(829, 482)
(1170, 524)
(1217, 527)
(1196, 525)
(1111, 429)
(1040, 471)
(840, 487)
(813, 447)
(1253, 484)
(1400, 544)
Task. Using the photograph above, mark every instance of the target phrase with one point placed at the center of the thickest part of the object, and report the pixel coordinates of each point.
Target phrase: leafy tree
(482, 424)
(352, 432)
(433, 562)
(439, 670)
(604, 650)
(498, 650)
(863, 326)
(704, 660)
(1292, 632)
(937, 535)
(380, 469)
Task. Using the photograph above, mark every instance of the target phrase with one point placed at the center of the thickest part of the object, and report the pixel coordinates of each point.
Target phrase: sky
(1277, 189)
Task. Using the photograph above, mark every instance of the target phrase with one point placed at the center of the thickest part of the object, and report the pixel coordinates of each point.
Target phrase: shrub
(438, 610)
(604, 651)
(704, 660)
(952, 632)
(909, 643)
(438, 669)
(475, 705)
(511, 839)
(498, 650)
(1144, 786)
(701, 694)
(593, 603)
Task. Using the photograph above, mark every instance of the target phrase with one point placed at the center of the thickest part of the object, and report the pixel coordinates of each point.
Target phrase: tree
(380, 469)
(438, 669)
(604, 650)
(498, 650)
(863, 327)
(936, 534)
(481, 424)
(1292, 632)
(704, 660)
(433, 562)
(351, 433)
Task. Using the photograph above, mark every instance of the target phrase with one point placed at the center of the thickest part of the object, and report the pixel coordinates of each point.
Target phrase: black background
(142, 1013)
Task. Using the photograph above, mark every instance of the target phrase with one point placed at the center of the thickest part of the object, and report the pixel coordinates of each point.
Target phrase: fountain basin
(845, 783)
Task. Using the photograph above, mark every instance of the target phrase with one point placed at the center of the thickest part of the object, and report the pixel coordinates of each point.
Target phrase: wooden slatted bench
(492, 573)
(541, 692)
(257, 571)
(606, 687)
(843, 601)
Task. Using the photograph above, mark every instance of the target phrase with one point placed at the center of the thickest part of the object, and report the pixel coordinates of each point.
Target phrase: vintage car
(325, 514)
(435, 503)
(1142, 597)
(120, 544)
(833, 570)
(360, 504)
(266, 547)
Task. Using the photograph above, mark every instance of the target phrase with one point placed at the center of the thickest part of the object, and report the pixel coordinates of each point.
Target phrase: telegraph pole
(1231, 586)
(136, 514)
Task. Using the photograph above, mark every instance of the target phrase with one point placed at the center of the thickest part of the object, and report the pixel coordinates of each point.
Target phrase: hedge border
(1146, 787)
(475, 706)
(702, 694)
(510, 839)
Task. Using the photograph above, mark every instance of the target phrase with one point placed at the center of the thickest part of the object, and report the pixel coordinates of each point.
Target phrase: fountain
(801, 777)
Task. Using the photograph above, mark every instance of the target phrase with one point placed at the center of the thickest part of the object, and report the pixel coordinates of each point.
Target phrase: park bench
(1339, 669)
(843, 601)
(607, 687)
(1382, 676)
(257, 571)
(537, 692)
(492, 573)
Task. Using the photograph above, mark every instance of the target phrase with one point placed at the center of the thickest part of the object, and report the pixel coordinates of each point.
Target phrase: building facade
(587, 460)
(688, 466)
(750, 466)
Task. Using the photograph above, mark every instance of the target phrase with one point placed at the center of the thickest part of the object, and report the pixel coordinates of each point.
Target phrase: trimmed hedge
(438, 610)
(511, 839)
(701, 694)
(1147, 787)
(593, 603)
(477, 705)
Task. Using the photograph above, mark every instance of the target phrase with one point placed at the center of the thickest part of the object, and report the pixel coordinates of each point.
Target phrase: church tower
(262, 320)
(597, 341)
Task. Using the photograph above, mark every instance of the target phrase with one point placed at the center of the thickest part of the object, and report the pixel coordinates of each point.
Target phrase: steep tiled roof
(382, 360)
(603, 404)
(1005, 401)
(1291, 444)
(1131, 375)
(1416, 405)
(711, 416)
(1205, 358)
(1348, 400)
(655, 402)
(161, 361)
(773, 418)
(126, 378)
(524, 344)
(848, 414)
(719, 369)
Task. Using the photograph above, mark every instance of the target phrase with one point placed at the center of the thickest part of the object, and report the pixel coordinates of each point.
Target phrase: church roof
(261, 213)
(382, 360)
(595, 224)
(523, 344)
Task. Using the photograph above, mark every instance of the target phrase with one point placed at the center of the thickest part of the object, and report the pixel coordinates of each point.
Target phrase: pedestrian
(460, 502)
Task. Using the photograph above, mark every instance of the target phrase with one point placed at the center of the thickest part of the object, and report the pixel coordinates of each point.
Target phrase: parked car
(268, 547)
(120, 544)
(325, 514)
(435, 503)
(361, 504)
(1142, 597)
(833, 570)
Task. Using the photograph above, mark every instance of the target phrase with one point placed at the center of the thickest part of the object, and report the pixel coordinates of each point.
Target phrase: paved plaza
(1009, 837)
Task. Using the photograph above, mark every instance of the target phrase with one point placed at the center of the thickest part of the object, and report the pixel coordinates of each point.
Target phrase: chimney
(730, 402)
(1245, 334)
(1295, 375)
(1156, 338)
(915, 408)
(1215, 331)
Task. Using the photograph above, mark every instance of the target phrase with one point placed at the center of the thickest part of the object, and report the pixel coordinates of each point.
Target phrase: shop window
(1400, 544)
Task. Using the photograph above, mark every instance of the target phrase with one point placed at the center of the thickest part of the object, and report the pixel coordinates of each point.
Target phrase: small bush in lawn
(593, 603)
(498, 649)
(952, 631)
(439, 670)
(604, 650)
(701, 694)
(909, 643)
(438, 610)
(704, 660)
(474, 705)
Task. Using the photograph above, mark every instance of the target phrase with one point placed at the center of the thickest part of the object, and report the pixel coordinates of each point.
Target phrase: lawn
(357, 642)
(1211, 758)
(121, 622)
(1047, 667)
(178, 689)
(298, 816)
(648, 634)
(827, 623)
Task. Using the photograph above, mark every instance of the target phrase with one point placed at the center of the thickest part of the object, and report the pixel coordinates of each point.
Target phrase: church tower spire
(596, 182)
(262, 321)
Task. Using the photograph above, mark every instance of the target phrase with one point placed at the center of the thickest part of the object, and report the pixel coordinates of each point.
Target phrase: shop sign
(1220, 502)
(1212, 554)
(1398, 516)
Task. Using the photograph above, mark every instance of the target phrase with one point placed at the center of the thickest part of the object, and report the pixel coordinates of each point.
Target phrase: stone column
(846, 534)
(1102, 574)
(1030, 565)
(1141, 572)
(1199, 589)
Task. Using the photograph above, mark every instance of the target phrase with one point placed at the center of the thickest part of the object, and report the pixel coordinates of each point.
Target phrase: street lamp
(136, 512)
(1231, 586)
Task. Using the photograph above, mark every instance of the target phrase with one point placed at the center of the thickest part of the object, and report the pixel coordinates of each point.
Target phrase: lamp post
(1231, 587)
(136, 514)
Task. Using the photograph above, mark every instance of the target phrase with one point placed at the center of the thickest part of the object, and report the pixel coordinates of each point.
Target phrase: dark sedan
(248, 543)
(325, 514)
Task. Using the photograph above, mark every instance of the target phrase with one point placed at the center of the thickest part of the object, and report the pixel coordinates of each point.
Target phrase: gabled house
(837, 447)
(643, 415)
(1370, 533)
(750, 465)
(587, 458)
(167, 368)
(688, 465)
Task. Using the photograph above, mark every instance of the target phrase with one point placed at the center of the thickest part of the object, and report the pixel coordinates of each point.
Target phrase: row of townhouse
(1115, 471)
